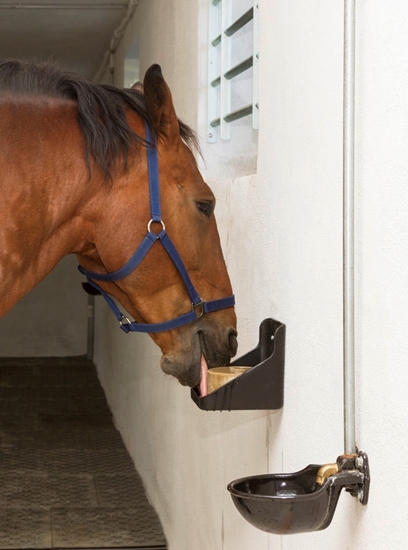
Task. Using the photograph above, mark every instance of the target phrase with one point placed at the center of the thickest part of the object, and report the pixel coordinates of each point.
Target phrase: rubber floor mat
(66, 479)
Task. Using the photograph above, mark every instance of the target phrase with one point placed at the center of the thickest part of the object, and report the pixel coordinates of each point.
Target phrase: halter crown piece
(199, 307)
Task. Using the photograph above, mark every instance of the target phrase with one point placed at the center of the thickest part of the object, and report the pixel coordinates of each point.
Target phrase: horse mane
(101, 108)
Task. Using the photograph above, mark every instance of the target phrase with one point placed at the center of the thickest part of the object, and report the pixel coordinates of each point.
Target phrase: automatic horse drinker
(303, 501)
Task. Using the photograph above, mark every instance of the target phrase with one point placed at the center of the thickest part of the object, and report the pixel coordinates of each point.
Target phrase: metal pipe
(348, 228)
(112, 68)
(116, 37)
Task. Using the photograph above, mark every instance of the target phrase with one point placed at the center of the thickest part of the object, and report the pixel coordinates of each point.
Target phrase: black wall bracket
(261, 387)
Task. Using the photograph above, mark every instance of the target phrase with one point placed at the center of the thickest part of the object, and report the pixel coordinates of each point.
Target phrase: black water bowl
(291, 503)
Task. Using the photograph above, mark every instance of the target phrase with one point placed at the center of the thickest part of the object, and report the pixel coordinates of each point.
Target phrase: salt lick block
(219, 376)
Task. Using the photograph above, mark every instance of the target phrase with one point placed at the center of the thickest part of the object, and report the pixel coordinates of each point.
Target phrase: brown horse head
(57, 201)
(154, 292)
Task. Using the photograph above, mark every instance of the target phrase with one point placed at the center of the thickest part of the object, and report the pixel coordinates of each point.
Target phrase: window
(233, 70)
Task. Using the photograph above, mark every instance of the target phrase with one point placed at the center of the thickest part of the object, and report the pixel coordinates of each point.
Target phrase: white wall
(51, 320)
(282, 235)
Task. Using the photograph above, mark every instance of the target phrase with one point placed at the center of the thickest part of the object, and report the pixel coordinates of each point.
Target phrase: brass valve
(326, 471)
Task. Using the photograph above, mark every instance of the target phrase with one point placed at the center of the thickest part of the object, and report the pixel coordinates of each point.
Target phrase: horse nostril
(232, 340)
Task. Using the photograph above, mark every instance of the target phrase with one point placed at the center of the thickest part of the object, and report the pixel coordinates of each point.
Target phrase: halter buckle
(199, 305)
(125, 321)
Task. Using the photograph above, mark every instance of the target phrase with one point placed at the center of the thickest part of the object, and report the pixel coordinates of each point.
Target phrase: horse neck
(44, 188)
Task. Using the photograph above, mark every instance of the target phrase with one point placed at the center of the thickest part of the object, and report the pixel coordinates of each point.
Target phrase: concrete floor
(66, 479)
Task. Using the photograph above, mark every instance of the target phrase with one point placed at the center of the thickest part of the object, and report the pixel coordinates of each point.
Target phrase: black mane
(101, 108)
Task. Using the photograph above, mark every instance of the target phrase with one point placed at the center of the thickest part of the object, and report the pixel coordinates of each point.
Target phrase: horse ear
(138, 86)
(159, 105)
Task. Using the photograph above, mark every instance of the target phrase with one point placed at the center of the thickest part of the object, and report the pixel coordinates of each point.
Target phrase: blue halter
(199, 307)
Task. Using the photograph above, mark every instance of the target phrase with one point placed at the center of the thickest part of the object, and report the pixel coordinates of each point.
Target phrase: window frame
(219, 112)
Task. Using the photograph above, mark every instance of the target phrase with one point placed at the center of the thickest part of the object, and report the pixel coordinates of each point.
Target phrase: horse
(75, 172)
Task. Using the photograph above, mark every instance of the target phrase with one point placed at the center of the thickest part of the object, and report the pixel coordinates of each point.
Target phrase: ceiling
(76, 34)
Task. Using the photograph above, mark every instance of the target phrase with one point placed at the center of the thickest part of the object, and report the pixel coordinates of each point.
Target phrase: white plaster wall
(282, 235)
(51, 320)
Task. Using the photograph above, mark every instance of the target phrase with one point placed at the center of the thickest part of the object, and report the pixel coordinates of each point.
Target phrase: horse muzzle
(216, 344)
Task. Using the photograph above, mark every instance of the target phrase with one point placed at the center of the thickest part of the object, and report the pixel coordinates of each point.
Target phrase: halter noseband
(199, 307)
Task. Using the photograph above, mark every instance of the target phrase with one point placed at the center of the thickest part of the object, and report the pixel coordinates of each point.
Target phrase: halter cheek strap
(199, 307)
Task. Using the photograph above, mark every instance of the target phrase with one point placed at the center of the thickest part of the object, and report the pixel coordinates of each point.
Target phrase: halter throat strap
(199, 307)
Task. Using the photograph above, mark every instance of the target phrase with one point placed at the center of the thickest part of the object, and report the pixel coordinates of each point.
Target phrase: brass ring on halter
(155, 221)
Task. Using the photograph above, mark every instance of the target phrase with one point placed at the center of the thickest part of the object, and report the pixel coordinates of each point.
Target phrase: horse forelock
(101, 109)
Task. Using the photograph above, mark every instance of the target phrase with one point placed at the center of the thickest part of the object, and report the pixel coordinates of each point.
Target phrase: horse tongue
(203, 381)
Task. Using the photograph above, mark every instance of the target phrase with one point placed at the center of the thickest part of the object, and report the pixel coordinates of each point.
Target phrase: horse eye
(205, 207)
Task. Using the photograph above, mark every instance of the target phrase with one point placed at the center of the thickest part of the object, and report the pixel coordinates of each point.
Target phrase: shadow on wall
(49, 321)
